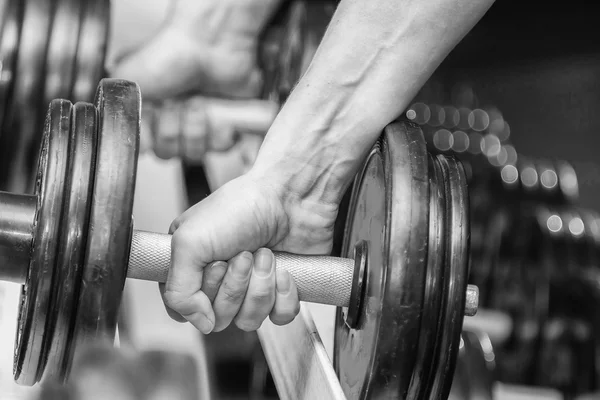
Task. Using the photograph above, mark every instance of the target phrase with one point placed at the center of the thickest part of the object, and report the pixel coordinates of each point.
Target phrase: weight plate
(456, 274)
(22, 126)
(434, 289)
(390, 210)
(9, 48)
(36, 293)
(62, 50)
(71, 246)
(91, 49)
(110, 225)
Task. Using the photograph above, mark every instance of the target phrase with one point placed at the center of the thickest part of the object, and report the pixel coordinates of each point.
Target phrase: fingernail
(206, 325)
(242, 265)
(263, 262)
(284, 281)
(218, 265)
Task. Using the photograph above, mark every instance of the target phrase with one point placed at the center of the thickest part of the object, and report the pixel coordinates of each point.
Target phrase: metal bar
(298, 361)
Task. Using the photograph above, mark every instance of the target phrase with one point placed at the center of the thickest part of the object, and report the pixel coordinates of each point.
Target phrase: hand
(207, 47)
(243, 216)
(189, 128)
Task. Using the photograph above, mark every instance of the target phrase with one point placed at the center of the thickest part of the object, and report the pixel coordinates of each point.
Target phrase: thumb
(182, 290)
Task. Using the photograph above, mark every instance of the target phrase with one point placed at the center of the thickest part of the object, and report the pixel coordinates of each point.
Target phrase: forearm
(374, 58)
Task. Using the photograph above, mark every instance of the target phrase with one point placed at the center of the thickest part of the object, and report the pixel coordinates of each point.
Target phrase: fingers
(172, 314)
(261, 292)
(233, 289)
(245, 290)
(194, 131)
(166, 133)
(183, 287)
(229, 118)
(192, 127)
(287, 304)
(213, 275)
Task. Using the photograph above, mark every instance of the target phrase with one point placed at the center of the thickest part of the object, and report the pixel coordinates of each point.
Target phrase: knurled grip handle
(319, 279)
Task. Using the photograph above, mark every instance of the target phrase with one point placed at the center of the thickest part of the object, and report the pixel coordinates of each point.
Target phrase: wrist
(310, 152)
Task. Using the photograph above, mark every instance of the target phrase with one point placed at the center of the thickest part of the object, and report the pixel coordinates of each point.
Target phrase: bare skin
(288, 201)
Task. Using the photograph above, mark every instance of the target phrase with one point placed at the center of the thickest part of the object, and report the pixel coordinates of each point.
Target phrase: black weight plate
(71, 246)
(22, 127)
(390, 210)
(432, 300)
(457, 273)
(9, 48)
(110, 226)
(36, 293)
(91, 49)
(62, 50)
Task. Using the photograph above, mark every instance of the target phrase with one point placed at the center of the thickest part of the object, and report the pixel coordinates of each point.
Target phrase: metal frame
(298, 361)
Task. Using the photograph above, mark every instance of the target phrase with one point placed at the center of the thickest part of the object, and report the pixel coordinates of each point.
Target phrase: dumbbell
(72, 244)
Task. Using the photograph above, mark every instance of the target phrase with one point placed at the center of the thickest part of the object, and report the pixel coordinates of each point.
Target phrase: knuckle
(182, 239)
(174, 300)
(232, 294)
(262, 296)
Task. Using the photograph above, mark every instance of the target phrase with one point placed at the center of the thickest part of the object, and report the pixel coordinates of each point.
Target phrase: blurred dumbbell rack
(513, 101)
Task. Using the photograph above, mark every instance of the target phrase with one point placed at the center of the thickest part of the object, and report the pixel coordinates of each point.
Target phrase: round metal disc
(22, 127)
(456, 274)
(62, 50)
(432, 301)
(110, 225)
(9, 47)
(390, 210)
(71, 246)
(36, 293)
(91, 49)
